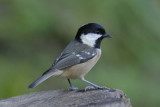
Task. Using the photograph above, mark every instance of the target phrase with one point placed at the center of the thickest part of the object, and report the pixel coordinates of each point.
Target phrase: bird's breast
(80, 70)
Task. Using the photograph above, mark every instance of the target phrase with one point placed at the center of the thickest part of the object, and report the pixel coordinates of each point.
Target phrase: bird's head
(91, 34)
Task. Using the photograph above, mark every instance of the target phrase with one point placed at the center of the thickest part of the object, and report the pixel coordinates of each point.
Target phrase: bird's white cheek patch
(90, 38)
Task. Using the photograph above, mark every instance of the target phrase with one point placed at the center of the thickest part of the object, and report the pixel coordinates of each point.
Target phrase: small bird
(78, 58)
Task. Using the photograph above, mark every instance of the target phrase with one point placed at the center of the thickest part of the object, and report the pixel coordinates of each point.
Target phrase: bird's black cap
(91, 28)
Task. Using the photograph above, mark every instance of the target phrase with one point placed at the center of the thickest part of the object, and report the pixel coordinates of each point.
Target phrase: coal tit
(78, 58)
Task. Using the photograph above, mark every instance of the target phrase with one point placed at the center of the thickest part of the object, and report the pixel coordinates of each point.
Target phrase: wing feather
(73, 59)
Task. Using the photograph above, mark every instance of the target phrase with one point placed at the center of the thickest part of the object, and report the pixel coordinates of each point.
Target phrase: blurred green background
(34, 32)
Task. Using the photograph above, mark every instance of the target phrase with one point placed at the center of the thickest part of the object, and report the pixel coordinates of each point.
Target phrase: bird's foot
(89, 88)
(93, 88)
(101, 87)
(73, 88)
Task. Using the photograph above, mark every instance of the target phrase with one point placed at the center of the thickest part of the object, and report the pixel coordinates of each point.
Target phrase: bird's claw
(73, 88)
(89, 88)
(92, 88)
(101, 87)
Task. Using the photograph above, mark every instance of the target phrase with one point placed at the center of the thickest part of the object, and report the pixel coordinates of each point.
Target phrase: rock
(65, 98)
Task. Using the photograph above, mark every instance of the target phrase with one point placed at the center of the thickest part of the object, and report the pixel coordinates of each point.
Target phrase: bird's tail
(44, 77)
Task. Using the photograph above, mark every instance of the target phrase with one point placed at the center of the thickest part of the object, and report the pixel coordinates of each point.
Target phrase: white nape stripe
(90, 38)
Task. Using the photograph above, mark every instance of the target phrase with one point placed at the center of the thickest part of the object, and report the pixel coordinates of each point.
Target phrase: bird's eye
(97, 32)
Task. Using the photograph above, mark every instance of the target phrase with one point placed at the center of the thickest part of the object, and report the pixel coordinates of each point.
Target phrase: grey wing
(73, 58)
(61, 56)
(69, 59)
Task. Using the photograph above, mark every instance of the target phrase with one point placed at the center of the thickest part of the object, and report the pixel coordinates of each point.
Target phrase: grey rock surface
(65, 98)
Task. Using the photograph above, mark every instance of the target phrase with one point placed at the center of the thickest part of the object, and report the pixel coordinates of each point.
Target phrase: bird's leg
(71, 88)
(94, 86)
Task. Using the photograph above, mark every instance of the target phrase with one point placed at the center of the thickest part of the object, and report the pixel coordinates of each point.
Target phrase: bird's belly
(80, 70)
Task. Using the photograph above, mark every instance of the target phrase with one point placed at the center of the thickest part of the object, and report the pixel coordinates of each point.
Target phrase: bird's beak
(107, 35)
